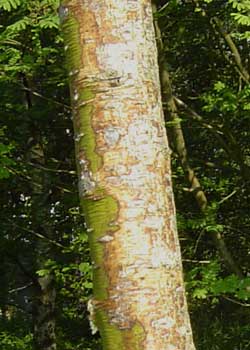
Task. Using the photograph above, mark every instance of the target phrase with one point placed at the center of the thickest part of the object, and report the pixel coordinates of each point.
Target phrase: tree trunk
(44, 292)
(125, 184)
(44, 315)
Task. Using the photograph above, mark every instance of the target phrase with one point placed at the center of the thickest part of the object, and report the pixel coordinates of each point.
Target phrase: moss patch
(99, 215)
(70, 29)
(100, 209)
(88, 142)
(114, 338)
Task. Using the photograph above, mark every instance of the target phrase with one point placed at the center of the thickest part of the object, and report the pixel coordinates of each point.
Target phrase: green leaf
(174, 122)
(49, 22)
(227, 285)
(88, 285)
(200, 293)
(8, 5)
(241, 19)
(66, 269)
(43, 272)
(219, 86)
(84, 267)
(19, 25)
(215, 228)
(246, 107)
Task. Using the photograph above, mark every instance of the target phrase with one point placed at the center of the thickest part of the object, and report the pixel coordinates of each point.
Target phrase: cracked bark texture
(125, 187)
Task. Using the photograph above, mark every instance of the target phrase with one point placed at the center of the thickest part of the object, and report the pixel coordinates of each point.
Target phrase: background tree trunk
(43, 310)
(125, 184)
(44, 291)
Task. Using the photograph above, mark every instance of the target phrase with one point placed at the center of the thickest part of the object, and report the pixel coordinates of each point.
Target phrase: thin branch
(227, 197)
(20, 288)
(198, 240)
(217, 26)
(235, 301)
(195, 115)
(230, 147)
(197, 261)
(37, 94)
(233, 48)
(39, 235)
(71, 172)
(30, 180)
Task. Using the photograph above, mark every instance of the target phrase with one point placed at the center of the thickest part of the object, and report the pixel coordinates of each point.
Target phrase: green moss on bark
(100, 214)
(114, 338)
(100, 209)
(87, 142)
(70, 27)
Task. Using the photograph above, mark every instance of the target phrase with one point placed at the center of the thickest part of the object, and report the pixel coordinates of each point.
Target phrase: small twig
(37, 94)
(20, 288)
(233, 48)
(235, 301)
(71, 172)
(197, 261)
(195, 115)
(198, 241)
(227, 197)
(29, 179)
(217, 26)
(39, 235)
(163, 7)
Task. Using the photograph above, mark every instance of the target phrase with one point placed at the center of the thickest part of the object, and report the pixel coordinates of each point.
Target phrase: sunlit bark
(125, 185)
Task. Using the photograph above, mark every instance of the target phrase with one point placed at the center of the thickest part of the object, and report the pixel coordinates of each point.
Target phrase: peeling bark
(124, 174)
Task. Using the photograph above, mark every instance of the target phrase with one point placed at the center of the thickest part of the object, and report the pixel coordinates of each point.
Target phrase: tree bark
(124, 172)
